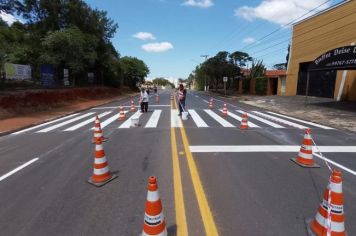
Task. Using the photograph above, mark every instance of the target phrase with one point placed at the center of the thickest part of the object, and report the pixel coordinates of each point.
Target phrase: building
(276, 84)
(332, 28)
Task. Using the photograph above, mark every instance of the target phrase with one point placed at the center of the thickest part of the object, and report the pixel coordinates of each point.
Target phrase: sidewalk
(339, 115)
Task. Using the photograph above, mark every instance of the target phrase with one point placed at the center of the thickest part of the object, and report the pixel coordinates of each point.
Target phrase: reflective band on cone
(244, 122)
(224, 112)
(101, 171)
(320, 224)
(98, 133)
(154, 221)
(132, 108)
(122, 113)
(211, 106)
(305, 155)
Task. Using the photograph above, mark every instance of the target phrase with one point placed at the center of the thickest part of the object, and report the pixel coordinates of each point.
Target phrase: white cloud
(144, 36)
(249, 40)
(199, 3)
(157, 47)
(280, 11)
(8, 18)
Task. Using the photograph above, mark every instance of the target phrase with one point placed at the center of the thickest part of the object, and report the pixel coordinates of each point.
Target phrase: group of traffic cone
(330, 219)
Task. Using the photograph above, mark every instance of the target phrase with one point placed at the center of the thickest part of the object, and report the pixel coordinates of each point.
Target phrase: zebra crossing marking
(110, 120)
(303, 121)
(250, 124)
(64, 123)
(219, 119)
(175, 119)
(91, 120)
(281, 120)
(127, 123)
(44, 124)
(262, 120)
(197, 119)
(153, 121)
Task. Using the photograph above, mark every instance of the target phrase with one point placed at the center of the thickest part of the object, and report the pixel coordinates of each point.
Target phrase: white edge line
(18, 169)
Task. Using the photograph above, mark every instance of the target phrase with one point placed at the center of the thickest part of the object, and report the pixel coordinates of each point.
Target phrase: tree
(280, 66)
(134, 71)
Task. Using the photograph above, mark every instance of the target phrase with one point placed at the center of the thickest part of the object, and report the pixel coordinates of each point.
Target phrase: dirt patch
(23, 103)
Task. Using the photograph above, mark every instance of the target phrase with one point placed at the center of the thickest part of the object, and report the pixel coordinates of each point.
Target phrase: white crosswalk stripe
(91, 120)
(281, 120)
(219, 119)
(65, 123)
(197, 119)
(302, 121)
(175, 119)
(262, 120)
(250, 124)
(110, 120)
(47, 123)
(153, 121)
(127, 123)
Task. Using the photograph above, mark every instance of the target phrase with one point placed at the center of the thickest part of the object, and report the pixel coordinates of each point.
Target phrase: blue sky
(171, 35)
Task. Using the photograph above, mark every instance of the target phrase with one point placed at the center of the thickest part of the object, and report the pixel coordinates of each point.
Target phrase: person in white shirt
(144, 100)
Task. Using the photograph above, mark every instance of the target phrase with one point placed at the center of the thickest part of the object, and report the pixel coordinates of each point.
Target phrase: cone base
(305, 166)
(90, 181)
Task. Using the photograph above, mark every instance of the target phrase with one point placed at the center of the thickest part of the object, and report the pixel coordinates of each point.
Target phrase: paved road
(213, 178)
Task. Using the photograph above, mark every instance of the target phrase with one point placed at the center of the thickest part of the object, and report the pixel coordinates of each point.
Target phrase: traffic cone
(305, 155)
(122, 113)
(101, 172)
(132, 107)
(154, 222)
(224, 112)
(157, 98)
(330, 219)
(98, 133)
(244, 122)
(211, 106)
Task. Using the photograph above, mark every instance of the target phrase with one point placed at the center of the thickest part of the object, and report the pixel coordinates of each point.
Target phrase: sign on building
(17, 72)
(47, 76)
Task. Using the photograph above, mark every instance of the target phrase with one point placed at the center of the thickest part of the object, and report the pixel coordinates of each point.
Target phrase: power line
(291, 22)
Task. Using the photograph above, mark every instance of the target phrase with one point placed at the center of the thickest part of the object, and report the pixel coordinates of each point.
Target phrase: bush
(261, 85)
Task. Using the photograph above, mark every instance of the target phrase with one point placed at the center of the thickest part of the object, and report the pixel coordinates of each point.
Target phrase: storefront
(330, 29)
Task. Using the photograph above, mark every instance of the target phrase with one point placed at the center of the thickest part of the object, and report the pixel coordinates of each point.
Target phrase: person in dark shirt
(182, 93)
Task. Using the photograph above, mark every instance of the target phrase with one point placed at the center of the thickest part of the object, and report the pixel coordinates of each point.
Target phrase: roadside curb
(60, 116)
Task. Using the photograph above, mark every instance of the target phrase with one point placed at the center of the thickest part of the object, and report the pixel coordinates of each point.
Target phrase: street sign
(225, 79)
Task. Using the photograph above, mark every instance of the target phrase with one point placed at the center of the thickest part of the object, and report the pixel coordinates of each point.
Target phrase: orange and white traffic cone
(122, 113)
(157, 98)
(101, 171)
(132, 107)
(98, 133)
(224, 111)
(305, 155)
(244, 122)
(330, 219)
(211, 106)
(154, 222)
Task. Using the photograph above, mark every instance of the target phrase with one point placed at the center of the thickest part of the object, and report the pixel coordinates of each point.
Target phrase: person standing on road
(144, 100)
(182, 93)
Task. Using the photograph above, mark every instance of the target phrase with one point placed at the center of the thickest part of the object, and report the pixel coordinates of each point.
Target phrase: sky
(171, 36)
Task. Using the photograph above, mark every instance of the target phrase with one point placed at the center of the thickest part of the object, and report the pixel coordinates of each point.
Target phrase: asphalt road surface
(213, 178)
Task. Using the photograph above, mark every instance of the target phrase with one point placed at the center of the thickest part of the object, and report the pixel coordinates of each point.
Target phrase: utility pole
(205, 86)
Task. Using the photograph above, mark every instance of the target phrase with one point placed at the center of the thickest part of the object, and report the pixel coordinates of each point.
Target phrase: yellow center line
(182, 228)
(205, 212)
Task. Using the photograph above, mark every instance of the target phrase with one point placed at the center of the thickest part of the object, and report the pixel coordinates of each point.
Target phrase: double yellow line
(205, 212)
